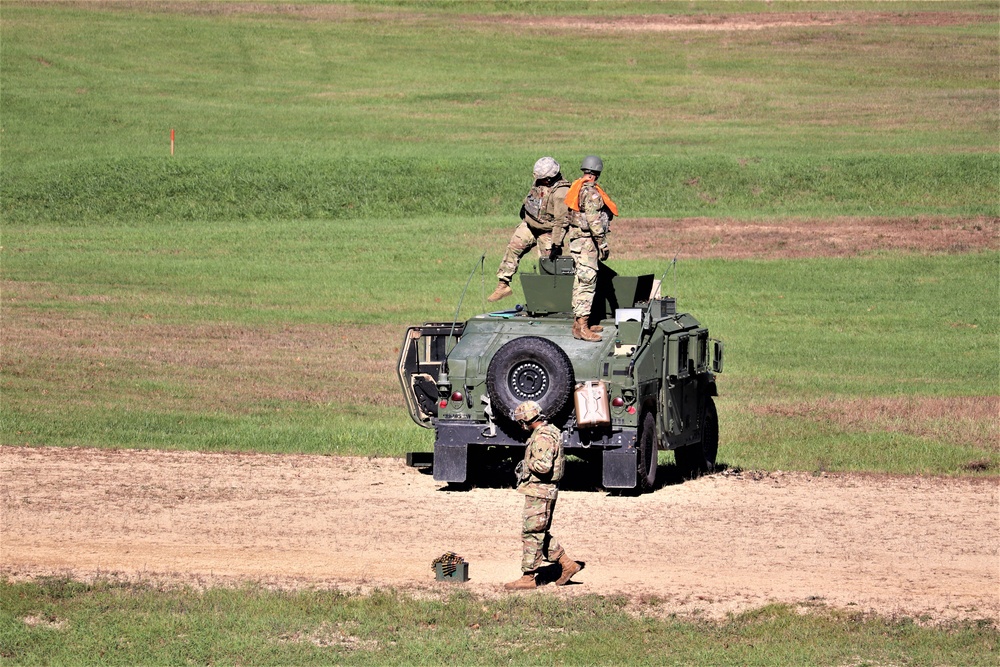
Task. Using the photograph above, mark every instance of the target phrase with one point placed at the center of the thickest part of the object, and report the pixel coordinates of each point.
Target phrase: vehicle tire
(648, 453)
(699, 458)
(529, 369)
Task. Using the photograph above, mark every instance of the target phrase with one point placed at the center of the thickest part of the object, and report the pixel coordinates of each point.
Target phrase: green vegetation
(882, 327)
(373, 111)
(341, 166)
(340, 169)
(109, 191)
(57, 622)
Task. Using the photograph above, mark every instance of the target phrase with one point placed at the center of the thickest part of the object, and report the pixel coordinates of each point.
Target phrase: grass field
(380, 110)
(339, 169)
(224, 344)
(141, 625)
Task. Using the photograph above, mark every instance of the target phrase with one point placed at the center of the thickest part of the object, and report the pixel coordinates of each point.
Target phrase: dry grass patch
(961, 420)
(736, 22)
(801, 237)
(212, 366)
(328, 635)
(45, 622)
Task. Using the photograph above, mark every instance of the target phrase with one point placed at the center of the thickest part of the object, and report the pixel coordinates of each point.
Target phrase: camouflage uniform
(543, 216)
(588, 229)
(544, 462)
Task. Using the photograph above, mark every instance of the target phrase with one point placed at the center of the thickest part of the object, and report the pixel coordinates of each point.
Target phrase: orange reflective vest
(573, 196)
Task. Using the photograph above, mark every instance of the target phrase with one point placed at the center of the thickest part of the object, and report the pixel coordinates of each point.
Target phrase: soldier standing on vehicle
(590, 215)
(543, 216)
(538, 478)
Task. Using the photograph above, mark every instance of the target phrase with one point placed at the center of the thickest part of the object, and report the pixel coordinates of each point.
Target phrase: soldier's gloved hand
(555, 251)
(603, 251)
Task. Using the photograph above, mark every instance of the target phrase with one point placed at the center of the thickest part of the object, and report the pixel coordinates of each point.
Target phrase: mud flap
(619, 468)
(451, 462)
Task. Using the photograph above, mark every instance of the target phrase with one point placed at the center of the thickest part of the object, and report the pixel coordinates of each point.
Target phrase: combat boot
(582, 332)
(502, 291)
(526, 582)
(569, 568)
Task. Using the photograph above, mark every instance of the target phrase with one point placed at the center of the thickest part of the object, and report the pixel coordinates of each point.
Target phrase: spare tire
(529, 369)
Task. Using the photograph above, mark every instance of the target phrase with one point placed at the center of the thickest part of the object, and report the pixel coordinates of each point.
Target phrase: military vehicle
(648, 385)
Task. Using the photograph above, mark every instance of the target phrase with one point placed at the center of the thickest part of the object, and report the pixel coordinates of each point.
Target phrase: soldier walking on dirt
(590, 215)
(538, 478)
(543, 223)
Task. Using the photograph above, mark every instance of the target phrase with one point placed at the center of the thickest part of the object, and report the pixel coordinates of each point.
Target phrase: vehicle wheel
(529, 369)
(647, 459)
(699, 458)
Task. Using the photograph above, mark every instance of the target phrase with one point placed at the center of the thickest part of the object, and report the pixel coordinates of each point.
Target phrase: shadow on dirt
(493, 468)
(548, 574)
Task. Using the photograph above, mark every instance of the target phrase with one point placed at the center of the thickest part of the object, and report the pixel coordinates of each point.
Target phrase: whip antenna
(674, 262)
(663, 275)
(481, 263)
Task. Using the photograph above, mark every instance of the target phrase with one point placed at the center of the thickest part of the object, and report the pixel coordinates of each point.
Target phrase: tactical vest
(601, 226)
(536, 204)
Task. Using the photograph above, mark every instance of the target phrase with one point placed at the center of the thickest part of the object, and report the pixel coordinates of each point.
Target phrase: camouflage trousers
(537, 542)
(524, 239)
(584, 252)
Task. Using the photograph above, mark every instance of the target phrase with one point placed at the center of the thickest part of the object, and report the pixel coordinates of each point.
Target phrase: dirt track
(916, 546)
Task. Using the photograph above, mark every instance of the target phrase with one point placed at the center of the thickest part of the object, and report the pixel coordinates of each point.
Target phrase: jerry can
(591, 400)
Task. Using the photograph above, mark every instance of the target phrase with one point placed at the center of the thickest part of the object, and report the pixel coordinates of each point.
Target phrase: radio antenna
(480, 264)
(663, 275)
(674, 262)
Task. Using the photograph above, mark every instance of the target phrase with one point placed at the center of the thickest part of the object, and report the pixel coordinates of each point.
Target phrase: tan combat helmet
(545, 167)
(528, 412)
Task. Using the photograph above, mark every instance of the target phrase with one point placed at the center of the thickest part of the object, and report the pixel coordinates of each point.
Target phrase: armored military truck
(648, 385)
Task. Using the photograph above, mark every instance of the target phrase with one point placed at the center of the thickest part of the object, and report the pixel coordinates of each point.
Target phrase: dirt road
(916, 546)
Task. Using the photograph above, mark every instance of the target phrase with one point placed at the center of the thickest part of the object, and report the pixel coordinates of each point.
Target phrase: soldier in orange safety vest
(590, 213)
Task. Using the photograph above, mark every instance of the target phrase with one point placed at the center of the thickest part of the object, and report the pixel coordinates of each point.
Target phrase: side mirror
(717, 355)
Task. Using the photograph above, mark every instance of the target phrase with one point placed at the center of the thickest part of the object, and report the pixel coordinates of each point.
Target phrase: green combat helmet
(592, 163)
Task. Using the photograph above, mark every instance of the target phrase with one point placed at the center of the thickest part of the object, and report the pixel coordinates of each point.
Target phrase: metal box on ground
(460, 574)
